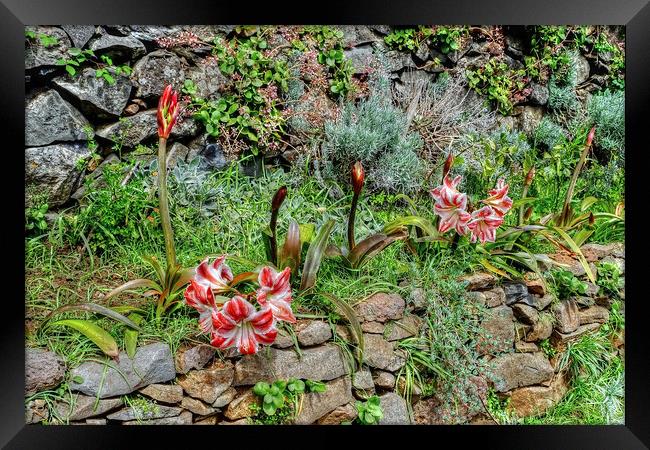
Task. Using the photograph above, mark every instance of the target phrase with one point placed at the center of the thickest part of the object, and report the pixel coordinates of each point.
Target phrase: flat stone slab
(83, 407)
(316, 404)
(151, 364)
(514, 370)
(322, 363)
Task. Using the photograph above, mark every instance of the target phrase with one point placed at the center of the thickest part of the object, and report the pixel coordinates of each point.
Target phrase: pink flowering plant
(452, 207)
(236, 319)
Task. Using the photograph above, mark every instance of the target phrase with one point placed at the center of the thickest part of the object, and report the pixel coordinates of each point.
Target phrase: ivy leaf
(70, 70)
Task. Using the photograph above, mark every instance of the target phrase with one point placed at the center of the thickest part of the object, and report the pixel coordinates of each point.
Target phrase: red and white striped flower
(216, 275)
(240, 325)
(201, 298)
(498, 198)
(484, 224)
(451, 206)
(275, 292)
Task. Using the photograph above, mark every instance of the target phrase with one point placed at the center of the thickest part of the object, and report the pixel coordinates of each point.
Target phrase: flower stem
(353, 210)
(170, 250)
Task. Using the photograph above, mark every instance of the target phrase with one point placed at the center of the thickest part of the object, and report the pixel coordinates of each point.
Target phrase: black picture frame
(635, 14)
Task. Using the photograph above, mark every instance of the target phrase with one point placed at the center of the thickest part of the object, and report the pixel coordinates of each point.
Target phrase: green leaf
(315, 255)
(133, 284)
(269, 409)
(131, 336)
(71, 70)
(344, 308)
(93, 308)
(290, 251)
(261, 388)
(97, 335)
(574, 247)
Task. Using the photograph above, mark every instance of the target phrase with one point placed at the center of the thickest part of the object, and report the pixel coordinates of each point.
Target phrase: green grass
(65, 266)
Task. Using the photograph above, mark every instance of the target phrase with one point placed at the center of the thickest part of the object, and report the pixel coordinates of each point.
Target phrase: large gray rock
(195, 357)
(36, 55)
(82, 407)
(80, 34)
(322, 363)
(49, 118)
(148, 33)
(361, 58)
(566, 314)
(165, 393)
(582, 68)
(478, 280)
(134, 129)
(120, 46)
(95, 95)
(53, 170)
(152, 363)
(380, 307)
(207, 78)
(513, 370)
(516, 292)
(136, 413)
(313, 332)
(156, 70)
(184, 418)
(394, 408)
(43, 370)
(316, 404)
(499, 330)
(381, 354)
(210, 383)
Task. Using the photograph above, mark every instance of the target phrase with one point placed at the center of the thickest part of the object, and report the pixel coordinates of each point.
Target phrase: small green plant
(406, 38)
(340, 70)
(280, 399)
(609, 278)
(447, 38)
(566, 284)
(548, 349)
(370, 412)
(43, 39)
(501, 84)
(250, 109)
(498, 407)
(35, 217)
(105, 67)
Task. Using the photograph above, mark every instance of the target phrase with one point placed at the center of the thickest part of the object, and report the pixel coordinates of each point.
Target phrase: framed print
(408, 218)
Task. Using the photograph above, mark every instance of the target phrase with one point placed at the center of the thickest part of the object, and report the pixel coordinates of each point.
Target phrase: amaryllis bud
(528, 213)
(590, 136)
(449, 162)
(167, 111)
(529, 177)
(358, 176)
(278, 198)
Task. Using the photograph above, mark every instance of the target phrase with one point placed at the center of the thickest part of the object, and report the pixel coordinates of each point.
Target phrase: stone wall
(199, 385)
(62, 113)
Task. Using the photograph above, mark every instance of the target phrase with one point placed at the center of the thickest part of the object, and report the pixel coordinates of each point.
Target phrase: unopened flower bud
(590, 136)
(528, 213)
(358, 176)
(449, 162)
(529, 177)
(278, 198)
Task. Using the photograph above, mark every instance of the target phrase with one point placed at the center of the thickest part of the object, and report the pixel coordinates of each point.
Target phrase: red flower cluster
(239, 323)
(168, 110)
(451, 206)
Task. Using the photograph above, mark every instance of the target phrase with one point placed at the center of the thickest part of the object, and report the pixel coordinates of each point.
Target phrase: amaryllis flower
(216, 275)
(167, 111)
(201, 298)
(484, 224)
(275, 292)
(498, 198)
(239, 325)
(450, 206)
